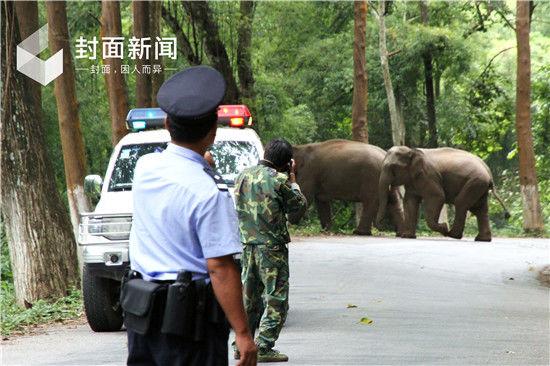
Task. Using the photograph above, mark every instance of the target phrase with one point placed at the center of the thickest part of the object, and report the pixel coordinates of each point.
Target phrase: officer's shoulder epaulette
(220, 183)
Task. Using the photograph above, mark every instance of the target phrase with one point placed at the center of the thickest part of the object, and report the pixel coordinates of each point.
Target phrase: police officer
(184, 219)
(265, 194)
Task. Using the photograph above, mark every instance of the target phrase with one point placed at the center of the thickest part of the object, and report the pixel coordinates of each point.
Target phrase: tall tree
(244, 56)
(170, 16)
(27, 20)
(142, 30)
(397, 123)
(429, 83)
(532, 212)
(114, 80)
(40, 239)
(200, 12)
(157, 78)
(360, 91)
(72, 143)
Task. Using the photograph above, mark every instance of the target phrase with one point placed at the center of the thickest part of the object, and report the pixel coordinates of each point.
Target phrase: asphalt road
(432, 301)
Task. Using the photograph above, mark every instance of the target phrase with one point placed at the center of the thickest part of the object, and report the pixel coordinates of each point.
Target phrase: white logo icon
(27, 62)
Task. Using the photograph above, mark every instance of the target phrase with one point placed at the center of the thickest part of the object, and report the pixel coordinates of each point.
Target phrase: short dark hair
(190, 132)
(279, 152)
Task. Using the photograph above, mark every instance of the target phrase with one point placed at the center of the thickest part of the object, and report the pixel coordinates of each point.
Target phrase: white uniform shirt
(181, 218)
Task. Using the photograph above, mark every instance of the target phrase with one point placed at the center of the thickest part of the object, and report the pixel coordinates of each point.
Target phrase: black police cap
(192, 94)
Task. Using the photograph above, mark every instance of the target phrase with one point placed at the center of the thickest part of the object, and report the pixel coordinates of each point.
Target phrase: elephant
(344, 170)
(438, 176)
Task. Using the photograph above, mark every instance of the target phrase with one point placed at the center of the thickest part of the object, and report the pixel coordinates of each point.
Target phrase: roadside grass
(17, 319)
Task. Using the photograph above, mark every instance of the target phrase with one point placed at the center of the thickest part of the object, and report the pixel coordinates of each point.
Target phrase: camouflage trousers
(265, 290)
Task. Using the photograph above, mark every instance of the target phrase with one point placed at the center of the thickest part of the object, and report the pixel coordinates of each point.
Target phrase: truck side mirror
(92, 187)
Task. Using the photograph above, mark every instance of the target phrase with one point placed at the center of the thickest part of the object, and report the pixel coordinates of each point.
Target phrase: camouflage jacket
(264, 197)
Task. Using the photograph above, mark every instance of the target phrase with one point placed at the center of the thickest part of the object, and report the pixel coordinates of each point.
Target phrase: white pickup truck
(103, 233)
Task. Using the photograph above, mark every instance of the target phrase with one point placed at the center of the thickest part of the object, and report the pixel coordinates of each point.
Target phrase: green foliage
(490, 124)
(298, 123)
(15, 318)
(6, 274)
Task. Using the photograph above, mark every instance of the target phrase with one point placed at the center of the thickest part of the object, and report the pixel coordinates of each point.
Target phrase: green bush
(16, 318)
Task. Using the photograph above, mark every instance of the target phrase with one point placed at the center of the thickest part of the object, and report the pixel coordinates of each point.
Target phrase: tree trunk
(428, 78)
(72, 143)
(114, 80)
(156, 78)
(214, 47)
(397, 125)
(437, 85)
(360, 92)
(27, 20)
(184, 45)
(142, 30)
(532, 212)
(38, 229)
(244, 57)
(400, 118)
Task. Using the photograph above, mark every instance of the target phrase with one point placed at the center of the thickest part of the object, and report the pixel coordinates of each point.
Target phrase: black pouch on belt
(201, 310)
(137, 299)
(179, 312)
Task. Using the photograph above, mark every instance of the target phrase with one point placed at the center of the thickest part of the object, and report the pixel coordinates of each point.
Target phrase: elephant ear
(418, 163)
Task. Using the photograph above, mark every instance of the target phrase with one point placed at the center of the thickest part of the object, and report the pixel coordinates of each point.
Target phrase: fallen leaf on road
(510, 352)
(366, 320)
(351, 306)
(511, 278)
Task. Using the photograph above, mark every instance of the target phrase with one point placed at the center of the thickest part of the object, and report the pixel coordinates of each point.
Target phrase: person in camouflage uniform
(264, 195)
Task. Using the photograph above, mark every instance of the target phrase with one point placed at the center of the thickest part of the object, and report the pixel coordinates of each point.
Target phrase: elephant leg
(397, 213)
(411, 204)
(467, 198)
(457, 229)
(432, 209)
(367, 216)
(481, 210)
(325, 214)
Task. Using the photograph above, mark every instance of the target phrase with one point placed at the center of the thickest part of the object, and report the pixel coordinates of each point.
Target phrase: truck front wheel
(101, 302)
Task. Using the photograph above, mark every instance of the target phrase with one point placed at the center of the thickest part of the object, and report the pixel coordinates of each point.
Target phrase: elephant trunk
(383, 190)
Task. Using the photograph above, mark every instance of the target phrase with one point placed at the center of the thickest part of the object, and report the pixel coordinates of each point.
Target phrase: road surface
(432, 301)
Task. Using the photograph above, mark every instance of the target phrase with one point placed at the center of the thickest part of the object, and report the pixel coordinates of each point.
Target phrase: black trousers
(160, 349)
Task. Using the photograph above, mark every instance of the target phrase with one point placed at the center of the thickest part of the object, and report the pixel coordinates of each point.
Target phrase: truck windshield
(123, 173)
(231, 157)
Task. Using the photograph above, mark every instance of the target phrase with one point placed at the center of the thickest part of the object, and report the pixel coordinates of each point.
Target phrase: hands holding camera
(292, 171)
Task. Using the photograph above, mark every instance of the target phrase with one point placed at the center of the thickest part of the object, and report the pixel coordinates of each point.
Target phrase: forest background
(302, 63)
(302, 67)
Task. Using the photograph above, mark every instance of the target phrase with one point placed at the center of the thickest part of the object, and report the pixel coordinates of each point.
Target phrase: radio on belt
(141, 119)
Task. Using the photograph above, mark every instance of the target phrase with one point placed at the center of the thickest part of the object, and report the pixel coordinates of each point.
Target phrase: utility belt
(181, 307)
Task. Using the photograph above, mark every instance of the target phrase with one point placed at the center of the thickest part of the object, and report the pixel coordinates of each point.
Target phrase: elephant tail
(506, 212)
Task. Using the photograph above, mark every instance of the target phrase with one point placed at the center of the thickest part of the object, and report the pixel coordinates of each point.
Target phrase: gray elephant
(438, 176)
(344, 170)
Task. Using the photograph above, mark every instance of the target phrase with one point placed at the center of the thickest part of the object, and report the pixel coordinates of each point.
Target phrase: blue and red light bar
(140, 119)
